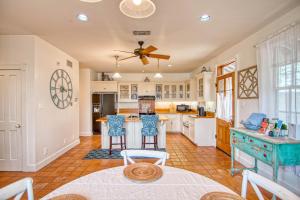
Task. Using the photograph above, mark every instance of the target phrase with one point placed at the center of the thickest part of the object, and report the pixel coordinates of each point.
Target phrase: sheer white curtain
(224, 99)
(279, 75)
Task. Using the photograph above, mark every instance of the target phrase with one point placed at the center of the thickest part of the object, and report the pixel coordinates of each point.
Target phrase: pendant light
(117, 75)
(137, 8)
(158, 75)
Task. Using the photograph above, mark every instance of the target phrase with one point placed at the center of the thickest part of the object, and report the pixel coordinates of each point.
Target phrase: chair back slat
(17, 189)
(128, 154)
(258, 180)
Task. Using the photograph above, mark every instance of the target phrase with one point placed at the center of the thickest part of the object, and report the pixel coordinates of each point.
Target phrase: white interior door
(10, 121)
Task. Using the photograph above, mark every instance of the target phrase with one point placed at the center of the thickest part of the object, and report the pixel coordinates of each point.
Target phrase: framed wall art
(248, 83)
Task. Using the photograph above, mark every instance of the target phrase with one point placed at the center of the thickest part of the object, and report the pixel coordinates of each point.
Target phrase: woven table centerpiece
(220, 196)
(143, 172)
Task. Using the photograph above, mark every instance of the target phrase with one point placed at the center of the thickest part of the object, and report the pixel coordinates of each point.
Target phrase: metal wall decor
(248, 83)
(61, 89)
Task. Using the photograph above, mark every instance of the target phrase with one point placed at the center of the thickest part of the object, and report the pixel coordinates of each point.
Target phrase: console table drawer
(238, 138)
(259, 143)
(258, 153)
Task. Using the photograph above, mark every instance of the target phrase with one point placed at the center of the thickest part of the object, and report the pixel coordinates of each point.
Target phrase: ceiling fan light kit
(144, 53)
(137, 9)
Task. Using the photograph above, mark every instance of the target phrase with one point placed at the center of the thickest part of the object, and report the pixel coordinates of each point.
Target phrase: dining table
(111, 184)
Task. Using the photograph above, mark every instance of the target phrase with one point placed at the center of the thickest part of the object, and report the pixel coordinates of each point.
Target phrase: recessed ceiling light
(205, 18)
(82, 17)
(137, 9)
(169, 65)
(91, 1)
(137, 2)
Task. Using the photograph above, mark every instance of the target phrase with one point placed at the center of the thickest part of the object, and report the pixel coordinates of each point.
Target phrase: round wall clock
(61, 89)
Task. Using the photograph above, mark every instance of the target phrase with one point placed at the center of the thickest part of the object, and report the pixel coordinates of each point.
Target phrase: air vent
(141, 32)
(69, 63)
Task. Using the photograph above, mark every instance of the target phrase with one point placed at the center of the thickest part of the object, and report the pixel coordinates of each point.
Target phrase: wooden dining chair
(17, 190)
(258, 180)
(128, 154)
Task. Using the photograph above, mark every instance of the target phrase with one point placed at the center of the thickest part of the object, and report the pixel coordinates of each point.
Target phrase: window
(279, 77)
(288, 92)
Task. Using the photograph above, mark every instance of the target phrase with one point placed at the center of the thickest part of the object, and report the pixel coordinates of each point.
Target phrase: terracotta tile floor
(207, 161)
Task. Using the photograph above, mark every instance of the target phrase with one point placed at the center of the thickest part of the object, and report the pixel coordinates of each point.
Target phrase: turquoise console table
(272, 151)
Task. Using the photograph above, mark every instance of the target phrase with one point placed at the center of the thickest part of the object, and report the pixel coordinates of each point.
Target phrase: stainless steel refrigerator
(103, 104)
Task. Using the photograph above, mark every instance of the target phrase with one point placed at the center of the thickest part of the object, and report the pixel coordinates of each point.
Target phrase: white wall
(56, 129)
(48, 131)
(245, 54)
(85, 104)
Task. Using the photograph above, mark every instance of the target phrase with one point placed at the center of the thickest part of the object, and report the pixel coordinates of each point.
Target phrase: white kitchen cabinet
(205, 90)
(174, 91)
(181, 91)
(174, 122)
(202, 131)
(104, 86)
(158, 92)
(146, 89)
(190, 89)
(124, 92)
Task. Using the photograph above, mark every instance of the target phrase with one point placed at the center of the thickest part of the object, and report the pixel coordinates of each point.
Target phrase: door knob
(18, 126)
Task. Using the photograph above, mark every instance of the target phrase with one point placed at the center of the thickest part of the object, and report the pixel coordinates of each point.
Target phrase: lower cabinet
(174, 122)
(200, 131)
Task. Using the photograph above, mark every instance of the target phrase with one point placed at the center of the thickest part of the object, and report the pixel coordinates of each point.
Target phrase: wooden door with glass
(225, 105)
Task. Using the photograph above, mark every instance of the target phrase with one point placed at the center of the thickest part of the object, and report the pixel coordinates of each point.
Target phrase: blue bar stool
(149, 129)
(115, 125)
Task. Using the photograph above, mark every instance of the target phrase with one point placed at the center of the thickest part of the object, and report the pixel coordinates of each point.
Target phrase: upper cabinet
(194, 89)
(104, 86)
(190, 89)
(124, 92)
(204, 90)
(173, 91)
(158, 91)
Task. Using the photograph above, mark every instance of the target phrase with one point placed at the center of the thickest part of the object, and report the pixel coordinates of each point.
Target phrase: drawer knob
(265, 155)
(265, 145)
(251, 140)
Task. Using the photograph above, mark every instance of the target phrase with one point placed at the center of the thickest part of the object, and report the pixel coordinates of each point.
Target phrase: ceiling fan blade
(159, 56)
(149, 49)
(124, 51)
(127, 58)
(144, 60)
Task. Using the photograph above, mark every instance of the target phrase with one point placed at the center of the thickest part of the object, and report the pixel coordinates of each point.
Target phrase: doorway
(10, 120)
(225, 105)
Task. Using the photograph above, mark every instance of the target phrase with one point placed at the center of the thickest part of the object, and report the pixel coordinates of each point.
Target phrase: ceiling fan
(144, 53)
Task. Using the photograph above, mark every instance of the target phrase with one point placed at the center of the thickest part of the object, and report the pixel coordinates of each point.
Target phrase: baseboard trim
(85, 133)
(54, 156)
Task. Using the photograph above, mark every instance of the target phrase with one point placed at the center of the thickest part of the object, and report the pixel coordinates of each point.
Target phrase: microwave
(182, 108)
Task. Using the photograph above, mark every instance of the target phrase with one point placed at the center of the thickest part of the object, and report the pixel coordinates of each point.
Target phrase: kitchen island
(133, 128)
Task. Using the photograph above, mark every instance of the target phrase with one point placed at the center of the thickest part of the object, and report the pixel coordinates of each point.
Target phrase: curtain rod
(276, 33)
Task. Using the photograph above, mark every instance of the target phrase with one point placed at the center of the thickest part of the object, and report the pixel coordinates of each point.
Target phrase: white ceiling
(175, 26)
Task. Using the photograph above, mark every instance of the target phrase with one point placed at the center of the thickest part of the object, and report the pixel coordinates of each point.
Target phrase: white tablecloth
(111, 184)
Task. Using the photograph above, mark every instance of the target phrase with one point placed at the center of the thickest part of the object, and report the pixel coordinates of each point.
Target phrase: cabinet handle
(265, 155)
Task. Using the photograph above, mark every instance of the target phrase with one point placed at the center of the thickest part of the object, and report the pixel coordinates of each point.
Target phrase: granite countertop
(127, 119)
(274, 140)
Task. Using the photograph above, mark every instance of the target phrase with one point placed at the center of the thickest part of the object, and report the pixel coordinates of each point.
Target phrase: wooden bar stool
(115, 125)
(149, 129)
